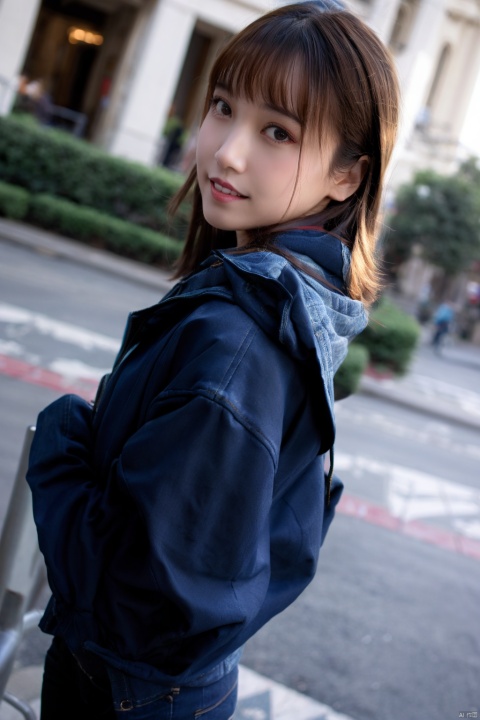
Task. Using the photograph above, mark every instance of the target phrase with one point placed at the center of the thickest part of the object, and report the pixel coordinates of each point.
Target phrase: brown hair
(349, 86)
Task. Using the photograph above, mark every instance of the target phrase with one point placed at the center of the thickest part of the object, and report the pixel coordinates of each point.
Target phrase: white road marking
(412, 494)
(12, 348)
(22, 321)
(72, 369)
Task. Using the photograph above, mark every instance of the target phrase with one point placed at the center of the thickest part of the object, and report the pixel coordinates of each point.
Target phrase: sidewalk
(446, 386)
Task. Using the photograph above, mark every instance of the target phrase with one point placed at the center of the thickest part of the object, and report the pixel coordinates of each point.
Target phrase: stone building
(124, 66)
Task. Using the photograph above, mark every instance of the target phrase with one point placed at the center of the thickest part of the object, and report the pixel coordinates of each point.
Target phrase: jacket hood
(313, 320)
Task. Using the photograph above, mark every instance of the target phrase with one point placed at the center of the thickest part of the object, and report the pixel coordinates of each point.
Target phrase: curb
(56, 245)
(401, 396)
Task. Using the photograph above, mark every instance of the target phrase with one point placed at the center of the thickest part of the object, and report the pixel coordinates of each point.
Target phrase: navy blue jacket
(188, 507)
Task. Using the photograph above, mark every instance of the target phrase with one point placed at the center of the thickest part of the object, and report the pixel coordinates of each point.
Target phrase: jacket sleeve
(201, 480)
(69, 507)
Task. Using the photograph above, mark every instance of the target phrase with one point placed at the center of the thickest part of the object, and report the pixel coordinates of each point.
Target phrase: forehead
(270, 79)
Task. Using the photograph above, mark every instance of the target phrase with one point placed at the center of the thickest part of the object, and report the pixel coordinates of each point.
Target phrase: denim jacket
(187, 508)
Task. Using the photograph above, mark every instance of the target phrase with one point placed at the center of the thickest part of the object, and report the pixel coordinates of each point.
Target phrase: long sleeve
(196, 480)
(69, 507)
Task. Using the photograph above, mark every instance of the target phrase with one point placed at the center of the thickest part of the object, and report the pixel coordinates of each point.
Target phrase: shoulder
(227, 345)
(220, 352)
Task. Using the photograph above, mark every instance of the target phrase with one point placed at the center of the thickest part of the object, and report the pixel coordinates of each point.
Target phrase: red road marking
(35, 375)
(426, 532)
(349, 505)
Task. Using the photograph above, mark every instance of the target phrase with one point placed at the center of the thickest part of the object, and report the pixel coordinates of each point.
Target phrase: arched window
(403, 25)
(438, 76)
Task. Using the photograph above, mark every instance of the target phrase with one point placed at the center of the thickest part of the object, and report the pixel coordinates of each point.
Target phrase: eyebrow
(267, 106)
(283, 111)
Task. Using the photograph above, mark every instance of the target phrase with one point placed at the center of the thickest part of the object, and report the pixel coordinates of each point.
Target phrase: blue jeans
(69, 691)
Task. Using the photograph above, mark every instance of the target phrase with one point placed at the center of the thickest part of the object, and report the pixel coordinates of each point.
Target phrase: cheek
(288, 179)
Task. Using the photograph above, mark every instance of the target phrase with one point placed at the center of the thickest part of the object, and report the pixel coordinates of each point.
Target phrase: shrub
(93, 227)
(13, 201)
(350, 371)
(390, 337)
(44, 160)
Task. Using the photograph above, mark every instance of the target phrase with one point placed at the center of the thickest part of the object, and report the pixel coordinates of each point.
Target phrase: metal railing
(60, 117)
(22, 574)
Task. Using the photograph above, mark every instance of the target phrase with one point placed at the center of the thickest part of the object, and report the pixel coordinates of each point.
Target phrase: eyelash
(289, 138)
(216, 100)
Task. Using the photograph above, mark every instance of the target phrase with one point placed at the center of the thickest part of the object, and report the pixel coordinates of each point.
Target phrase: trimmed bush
(348, 375)
(48, 161)
(390, 337)
(94, 228)
(13, 201)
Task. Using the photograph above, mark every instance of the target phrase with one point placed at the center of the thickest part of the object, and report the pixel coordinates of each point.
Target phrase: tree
(439, 217)
(470, 171)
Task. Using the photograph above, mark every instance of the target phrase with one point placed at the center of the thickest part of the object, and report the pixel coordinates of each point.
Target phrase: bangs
(279, 64)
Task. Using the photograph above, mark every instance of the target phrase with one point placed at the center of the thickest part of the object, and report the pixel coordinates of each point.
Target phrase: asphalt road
(389, 629)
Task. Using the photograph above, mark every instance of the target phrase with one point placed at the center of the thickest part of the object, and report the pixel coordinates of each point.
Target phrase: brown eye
(277, 134)
(220, 107)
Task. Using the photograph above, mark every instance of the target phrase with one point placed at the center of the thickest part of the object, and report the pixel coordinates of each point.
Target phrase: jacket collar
(318, 249)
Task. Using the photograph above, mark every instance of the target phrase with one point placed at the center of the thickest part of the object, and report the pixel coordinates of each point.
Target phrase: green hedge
(43, 160)
(13, 201)
(350, 371)
(93, 227)
(390, 337)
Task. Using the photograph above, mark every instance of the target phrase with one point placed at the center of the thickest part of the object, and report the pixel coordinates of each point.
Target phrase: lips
(222, 190)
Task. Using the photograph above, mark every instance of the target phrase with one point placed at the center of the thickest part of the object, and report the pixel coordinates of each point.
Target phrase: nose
(233, 151)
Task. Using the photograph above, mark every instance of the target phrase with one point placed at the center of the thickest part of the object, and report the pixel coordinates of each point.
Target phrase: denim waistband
(96, 666)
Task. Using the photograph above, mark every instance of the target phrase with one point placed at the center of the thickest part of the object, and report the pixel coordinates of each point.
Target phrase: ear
(346, 182)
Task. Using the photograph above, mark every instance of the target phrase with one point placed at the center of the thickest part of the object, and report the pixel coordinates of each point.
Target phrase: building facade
(127, 66)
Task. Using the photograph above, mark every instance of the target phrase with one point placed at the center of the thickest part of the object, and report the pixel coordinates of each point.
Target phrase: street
(388, 630)
(389, 627)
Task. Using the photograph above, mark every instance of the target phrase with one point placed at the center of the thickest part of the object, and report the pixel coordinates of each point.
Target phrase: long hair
(345, 83)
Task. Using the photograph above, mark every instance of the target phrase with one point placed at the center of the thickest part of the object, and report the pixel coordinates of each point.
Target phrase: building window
(440, 72)
(403, 25)
(426, 117)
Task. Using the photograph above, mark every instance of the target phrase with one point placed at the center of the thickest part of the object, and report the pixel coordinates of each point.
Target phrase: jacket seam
(245, 343)
(221, 400)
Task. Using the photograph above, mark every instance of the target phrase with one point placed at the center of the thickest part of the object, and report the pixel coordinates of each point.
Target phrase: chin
(218, 224)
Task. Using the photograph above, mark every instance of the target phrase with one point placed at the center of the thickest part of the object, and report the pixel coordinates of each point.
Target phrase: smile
(224, 191)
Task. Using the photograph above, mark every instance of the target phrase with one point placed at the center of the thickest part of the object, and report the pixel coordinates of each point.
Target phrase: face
(250, 170)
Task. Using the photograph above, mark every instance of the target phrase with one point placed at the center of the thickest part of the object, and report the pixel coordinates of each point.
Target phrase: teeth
(225, 190)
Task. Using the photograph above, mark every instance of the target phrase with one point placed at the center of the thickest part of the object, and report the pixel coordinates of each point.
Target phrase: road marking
(260, 698)
(73, 369)
(21, 321)
(36, 375)
(413, 497)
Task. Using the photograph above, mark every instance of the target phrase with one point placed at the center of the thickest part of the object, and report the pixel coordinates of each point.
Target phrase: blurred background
(99, 113)
(128, 76)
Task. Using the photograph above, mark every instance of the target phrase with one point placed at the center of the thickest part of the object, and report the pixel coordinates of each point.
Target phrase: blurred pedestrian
(187, 507)
(442, 322)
